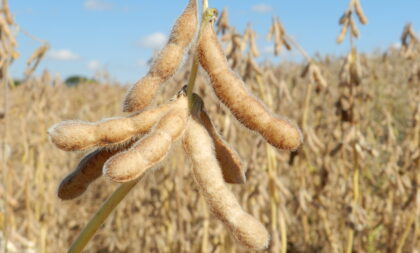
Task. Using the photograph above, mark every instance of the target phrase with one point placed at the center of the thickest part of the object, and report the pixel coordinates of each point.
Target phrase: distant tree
(76, 80)
(17, 82)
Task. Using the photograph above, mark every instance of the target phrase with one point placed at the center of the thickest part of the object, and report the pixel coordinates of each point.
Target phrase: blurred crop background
(352, 187)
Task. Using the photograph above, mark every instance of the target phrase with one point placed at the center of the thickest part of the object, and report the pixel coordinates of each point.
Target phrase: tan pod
(207, 173)
(230, 89)
(168, 61)
(149, 151)
(79, 135)
(87, 171)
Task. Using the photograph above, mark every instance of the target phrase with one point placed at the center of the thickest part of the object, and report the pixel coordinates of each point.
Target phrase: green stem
(191, 81)
(207, 16)
(84, 237)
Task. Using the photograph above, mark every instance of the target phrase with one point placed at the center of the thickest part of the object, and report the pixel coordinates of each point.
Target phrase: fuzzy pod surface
(230, 89)
(167, 62)
(232, 167)
(87, 171)
(152, 149)
(79, 135)
(223, 204)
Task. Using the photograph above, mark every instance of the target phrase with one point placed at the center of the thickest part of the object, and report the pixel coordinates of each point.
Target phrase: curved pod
(168, 61)
(230, 89)
(223, 204)
(149, 151)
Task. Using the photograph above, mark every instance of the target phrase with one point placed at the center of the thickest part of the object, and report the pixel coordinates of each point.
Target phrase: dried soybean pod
(35, 59)
(6, 33)
(318, 77)
(359, 11)
(207, 173)
(343, 32)
(149, 151)
(250, 37)
(7, 13)
(271, 32)
(251, 67)
(230, 89)
(278, 39)
(223, 23)
(254, 48)
(344, 17)
(38, 53)
(354, 29)
(305, 70)
(168, 61)
(229, 160)
(286, 44)
(87, 171)
(78, 135)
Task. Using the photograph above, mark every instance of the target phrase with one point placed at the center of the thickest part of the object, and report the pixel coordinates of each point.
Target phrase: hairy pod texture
(230, 89)
(87, 171)
(229, 160)
(79, 135)
(223, 204)
(168, 61)
(152, 149)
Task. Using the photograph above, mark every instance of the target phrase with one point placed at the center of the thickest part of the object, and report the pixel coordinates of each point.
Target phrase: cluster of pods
(127, 147)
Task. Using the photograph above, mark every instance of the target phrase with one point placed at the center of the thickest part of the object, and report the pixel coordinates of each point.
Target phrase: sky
(87, 36)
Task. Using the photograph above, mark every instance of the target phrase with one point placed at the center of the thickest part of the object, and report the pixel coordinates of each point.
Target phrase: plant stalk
(205, 5)
(84, 237)
(207, 16)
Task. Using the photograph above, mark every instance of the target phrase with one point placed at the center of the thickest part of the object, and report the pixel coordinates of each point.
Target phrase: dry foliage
(310, 193)
(165, 213)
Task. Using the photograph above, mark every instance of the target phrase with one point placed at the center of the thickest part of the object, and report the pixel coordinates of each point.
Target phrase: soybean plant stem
(306, 105)
(5, 169)
(84, 237)
(191, 81)
(206, 17)
(299, 48)
(31, 36)
(356, 192)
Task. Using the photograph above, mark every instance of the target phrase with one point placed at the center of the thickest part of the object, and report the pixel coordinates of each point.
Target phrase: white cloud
(262, 8)
(268, 50)
(62, 55)
(94, 65)
(396, 45)
(98, 5)
(154, 40)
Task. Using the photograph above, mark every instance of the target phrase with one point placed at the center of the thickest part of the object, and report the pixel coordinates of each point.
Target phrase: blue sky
(120, 36)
